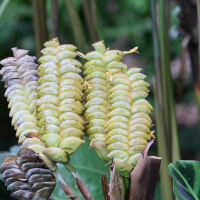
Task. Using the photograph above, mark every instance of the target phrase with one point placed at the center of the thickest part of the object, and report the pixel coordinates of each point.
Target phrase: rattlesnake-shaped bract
(116, 109)
(116, 117)
(60, 102)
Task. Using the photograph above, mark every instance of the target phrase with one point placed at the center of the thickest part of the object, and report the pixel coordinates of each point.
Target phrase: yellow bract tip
(87, 84)
(94, 140)
(80, 54)
(152, 134)
(134, 50)
(110, 75)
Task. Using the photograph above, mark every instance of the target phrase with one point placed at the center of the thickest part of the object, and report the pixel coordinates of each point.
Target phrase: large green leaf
(186, 179)
(87, 163)
(90, 167)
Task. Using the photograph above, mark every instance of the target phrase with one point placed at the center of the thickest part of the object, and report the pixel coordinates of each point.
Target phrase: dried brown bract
(26, 177)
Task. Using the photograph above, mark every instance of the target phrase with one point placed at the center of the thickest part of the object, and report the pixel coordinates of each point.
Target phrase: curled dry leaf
(26, 177)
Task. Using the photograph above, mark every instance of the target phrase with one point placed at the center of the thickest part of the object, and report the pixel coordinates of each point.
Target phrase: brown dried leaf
(105, 186)
(68, 192)
(146, 170)
(83, 189)
(115, 184)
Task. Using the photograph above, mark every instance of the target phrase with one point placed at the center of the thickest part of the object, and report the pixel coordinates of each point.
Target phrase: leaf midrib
(194, 195)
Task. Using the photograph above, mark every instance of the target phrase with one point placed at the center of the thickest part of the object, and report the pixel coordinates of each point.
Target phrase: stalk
(68, 189)
(76, 175)
(167, 134)
(197, 82)
(198, 10)
(40, 27)
(125, 187)
(166, 183)
(76, 26)
(54, 18)
(167, 90)
(123, 192)
(94, 19)
(73, 171)
(89, 22)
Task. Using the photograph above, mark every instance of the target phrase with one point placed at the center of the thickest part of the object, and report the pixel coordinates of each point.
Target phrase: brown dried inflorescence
(26, 177)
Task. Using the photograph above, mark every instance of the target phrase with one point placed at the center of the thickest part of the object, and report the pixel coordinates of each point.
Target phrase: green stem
(197, 83)
(73, 171)
(123, 192)
(75, 174)
(88, 19)
(76, 26)
(64, 182)
(125, 187)
(40, 27)
(198, 9)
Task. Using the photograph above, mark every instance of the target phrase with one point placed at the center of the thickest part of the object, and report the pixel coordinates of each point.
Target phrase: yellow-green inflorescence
(60, 103)
(117, 114)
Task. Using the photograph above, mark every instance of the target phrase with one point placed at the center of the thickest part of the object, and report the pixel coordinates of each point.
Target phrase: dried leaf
(83, 189)
(105, 186)
(115, 184)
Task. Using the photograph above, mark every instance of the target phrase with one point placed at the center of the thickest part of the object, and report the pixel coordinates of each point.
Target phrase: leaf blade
(186, 184)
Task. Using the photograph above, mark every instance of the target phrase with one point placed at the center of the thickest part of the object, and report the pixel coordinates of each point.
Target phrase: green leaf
(90, 167)
(186, 179)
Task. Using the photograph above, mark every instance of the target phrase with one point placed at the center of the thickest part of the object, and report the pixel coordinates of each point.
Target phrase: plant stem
(68, 189)
(73, 171)
(198, 9)
(167, 134)
(123, 191)
(197, 84)
(40, 27)
(54, 18)
(88, 19)
(76, 26)
(76, 175)
(125, 187)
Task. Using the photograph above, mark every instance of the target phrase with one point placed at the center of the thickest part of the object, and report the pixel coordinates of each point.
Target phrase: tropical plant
(46, 105)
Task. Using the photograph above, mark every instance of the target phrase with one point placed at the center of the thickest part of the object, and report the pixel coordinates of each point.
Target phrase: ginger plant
(52, 105)
(20, 76)
(60, 103)
(117, 114)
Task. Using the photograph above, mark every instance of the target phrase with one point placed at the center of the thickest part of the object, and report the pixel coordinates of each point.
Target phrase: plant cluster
(52, 105)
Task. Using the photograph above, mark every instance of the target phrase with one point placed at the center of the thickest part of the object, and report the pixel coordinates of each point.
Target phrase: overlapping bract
(20, 77)
(60, 103)
(21, 80)
(116, 109)
(25, 176)
(117, 118)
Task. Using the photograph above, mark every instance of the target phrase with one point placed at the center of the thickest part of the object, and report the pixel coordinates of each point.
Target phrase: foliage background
(123, 24)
